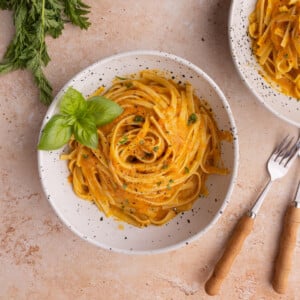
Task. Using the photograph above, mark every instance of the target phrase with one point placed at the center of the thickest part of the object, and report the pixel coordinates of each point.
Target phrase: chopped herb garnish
(286, 55)
(186, 170)
(158, 183)
(165, 166)
(121, 78)
(124, 140)
(141, 142)
(169, 184)
(192, 119)
(124, 186)
(85, 156)
(155, 148)
(129, 85)
(139, 118)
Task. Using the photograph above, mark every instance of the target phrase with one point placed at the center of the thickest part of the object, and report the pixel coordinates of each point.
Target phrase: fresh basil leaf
(103, 110)
(55, 134)
(78, 117)
(70, 120)
(85, 132)
(73, 103)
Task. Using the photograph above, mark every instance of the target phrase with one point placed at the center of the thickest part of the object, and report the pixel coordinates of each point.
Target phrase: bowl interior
(285, 107)
(85, 219)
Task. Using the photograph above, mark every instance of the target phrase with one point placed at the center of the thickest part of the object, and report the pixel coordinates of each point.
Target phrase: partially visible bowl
(85, 219)
(285, 107)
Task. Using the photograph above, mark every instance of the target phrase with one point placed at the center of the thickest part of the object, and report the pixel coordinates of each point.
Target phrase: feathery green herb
(34, 20)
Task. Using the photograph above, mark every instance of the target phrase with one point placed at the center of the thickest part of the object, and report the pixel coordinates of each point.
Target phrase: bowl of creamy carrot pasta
(138, 153)
(265, 44)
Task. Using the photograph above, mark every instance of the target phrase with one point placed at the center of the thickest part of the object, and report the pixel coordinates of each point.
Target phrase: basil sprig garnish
(79, 117)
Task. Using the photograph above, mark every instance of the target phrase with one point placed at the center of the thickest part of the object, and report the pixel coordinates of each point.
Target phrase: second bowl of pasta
(156, 175)
(264, 40)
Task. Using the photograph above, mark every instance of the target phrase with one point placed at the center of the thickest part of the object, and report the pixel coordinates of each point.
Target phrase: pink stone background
(41, 259)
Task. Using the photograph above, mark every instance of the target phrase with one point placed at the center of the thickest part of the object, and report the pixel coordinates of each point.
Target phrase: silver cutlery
(278, 165)
(288, 239)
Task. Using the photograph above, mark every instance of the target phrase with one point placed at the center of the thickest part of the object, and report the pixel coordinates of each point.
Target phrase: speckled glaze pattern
(85, 219)
(40, 258)
(283, 106)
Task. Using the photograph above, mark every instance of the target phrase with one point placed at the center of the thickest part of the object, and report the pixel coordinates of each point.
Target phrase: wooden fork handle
(233, 248)
(287, 244)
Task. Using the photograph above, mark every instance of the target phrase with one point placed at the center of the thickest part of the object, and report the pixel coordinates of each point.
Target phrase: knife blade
(283, 262)
(297, 198)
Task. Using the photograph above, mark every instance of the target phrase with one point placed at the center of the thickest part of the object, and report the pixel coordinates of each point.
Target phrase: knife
(287, 244)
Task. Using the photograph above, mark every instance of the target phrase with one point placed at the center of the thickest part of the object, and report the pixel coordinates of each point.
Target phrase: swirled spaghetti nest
(153, 160)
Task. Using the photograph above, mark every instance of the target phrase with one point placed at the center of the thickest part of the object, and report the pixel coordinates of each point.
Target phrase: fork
(278, 165)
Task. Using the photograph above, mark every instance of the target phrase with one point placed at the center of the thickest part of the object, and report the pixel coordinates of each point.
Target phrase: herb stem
(43, 28)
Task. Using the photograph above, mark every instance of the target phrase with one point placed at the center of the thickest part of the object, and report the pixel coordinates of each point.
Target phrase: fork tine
(293, 151)
(281, 149)
(277, 149)
(285, 151)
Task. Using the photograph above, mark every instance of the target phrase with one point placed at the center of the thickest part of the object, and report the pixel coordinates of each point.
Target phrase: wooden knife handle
(234, 246)
(287, 244)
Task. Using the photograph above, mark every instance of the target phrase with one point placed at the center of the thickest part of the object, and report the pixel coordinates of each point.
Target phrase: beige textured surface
(41, 259)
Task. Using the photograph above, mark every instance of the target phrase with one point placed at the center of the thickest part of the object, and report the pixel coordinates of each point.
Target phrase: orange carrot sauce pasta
(275, 31)
(153, 160)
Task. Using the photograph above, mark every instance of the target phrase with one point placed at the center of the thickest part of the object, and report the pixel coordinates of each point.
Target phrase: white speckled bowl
(283, 106)
(85, 219)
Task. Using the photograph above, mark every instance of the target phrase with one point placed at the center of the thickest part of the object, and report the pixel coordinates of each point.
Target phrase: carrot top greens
(34, 20)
